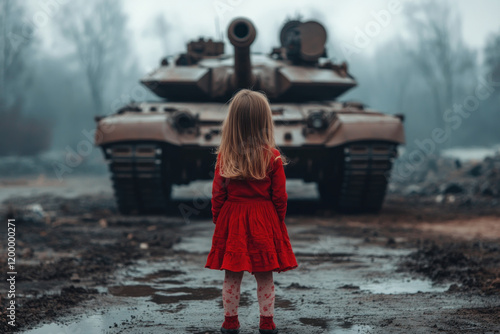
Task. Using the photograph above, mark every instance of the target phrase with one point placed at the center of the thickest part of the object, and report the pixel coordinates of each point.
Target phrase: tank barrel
(241, 34)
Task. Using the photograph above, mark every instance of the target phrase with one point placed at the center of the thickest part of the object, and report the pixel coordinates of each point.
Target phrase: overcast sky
(193, 18)
(190, 19)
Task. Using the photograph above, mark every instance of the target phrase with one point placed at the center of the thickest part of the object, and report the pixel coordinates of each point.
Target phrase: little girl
(249, 203)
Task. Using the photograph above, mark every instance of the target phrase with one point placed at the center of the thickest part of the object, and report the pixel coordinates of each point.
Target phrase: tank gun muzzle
(241, 33)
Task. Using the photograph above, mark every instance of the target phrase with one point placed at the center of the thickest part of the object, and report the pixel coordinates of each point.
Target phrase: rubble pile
(48, 208)
(448, 179)
(472, 265)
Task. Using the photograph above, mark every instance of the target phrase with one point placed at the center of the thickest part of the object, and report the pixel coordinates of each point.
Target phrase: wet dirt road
(342, 285)
(415, 268)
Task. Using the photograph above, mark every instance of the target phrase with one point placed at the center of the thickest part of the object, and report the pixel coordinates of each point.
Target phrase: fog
(64, 62)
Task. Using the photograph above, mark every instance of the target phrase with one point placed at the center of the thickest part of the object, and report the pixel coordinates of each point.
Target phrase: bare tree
(490, 114)
(436, 48)
(97, 31)
(492, 57)
(15, 43)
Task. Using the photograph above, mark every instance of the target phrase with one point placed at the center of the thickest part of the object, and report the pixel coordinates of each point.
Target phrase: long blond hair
(247, 139)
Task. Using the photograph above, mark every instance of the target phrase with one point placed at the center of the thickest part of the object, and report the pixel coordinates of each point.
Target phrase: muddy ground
(420, 266)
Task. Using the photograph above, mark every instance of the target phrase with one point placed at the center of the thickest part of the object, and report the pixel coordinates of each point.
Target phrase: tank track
(141, 186)
(139, 178)
(365, 173)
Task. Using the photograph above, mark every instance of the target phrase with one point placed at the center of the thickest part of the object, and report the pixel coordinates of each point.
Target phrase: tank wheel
(364, 176)
(139, 178)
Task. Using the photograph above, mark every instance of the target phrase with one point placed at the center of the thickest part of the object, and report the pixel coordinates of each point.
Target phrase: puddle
(344, 328)
(349, 265)
(165, 296)
(348, 328)
(316, 322)
(159, 275)
(170, 281)
(95, 323)
(195, 245)
(283, 303)
(177, 308)
(131, 290)
(177, 294)
(390, 287)
(91, 325)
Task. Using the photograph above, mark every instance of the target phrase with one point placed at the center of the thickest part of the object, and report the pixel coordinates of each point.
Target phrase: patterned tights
(231, 292)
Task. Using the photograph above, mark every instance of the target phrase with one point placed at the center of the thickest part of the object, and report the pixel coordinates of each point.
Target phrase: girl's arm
(219, 192)
(278, 187)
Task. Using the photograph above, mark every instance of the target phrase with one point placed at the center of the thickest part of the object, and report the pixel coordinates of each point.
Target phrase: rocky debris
(441, 177)
(32, 213)
(451, 188)
(103, 223)
(85, 207)
(477, 170)
(75, 277)
(349, 287)
(45, 307)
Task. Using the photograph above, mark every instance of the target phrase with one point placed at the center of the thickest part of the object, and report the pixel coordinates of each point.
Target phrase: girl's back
(258, 190)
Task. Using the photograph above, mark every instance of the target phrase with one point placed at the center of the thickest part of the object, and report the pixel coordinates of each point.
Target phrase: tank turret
(296, 71)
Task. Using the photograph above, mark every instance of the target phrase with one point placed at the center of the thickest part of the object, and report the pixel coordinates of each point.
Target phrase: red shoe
(231, 325)
(267, 325)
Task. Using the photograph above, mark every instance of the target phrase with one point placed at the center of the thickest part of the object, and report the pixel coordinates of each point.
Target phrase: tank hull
(350, 158)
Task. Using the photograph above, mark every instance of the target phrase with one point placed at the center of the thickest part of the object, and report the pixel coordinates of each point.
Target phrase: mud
(470, 265)
(72, 245)
(48, 306)
(420, 266)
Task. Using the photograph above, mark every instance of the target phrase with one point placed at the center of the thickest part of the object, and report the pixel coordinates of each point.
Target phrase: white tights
(231, 292)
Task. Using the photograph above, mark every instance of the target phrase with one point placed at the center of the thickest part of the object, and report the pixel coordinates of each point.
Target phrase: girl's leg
(265, 292)
(231, 292)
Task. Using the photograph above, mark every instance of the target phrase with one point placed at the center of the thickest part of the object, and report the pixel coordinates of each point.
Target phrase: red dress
(249, 217)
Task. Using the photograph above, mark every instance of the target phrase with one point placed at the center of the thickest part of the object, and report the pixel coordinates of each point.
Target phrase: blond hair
(247, 142)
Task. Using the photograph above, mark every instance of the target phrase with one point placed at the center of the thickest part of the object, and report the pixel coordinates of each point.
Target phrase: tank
(345, 147)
